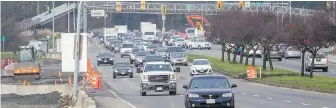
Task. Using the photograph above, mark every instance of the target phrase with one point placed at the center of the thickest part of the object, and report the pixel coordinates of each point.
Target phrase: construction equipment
(196, 17)
(27, 65)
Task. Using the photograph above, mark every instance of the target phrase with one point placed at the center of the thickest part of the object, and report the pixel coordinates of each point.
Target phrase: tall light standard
(74, 89)
(53, 24)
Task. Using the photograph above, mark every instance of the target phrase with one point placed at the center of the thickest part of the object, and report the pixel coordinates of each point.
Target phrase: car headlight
(193, 95)
(130, 70)
(111, 58)
(227, 95)
(172, 76)
(99, 58)
(115, 70)
(113, 45)
(145, 76)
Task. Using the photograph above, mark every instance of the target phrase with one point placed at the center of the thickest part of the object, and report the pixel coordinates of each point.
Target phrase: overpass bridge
(193, 8)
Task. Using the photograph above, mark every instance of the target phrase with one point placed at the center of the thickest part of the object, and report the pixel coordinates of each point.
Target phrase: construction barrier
(251, 72)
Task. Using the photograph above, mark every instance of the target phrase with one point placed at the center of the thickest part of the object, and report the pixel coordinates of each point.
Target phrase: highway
(290, 64)
(247, 95)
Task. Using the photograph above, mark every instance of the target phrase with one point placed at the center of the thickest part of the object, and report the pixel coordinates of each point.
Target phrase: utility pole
(282, 12)
(38, 7)
(290, 11)
(333, 12)
(74, 89)
(85, 30)
(53, 24)
(68, 18)
(74, 17)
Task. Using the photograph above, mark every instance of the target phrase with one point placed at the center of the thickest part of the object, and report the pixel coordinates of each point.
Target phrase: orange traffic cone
(70, 82)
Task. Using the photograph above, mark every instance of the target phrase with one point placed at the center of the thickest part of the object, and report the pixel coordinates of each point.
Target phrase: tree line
(251, 31)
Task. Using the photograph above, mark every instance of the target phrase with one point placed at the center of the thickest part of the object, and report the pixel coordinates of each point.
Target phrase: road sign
(259, 2)
(97, 13)
(3, 38)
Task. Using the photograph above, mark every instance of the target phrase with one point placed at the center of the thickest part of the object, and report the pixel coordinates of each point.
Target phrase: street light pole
(290, 11)
(68, 18)
(74, 89)
(53, 24)
(85, 18)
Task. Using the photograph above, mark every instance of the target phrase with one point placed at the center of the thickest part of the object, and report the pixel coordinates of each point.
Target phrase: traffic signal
(118, 7)
(328, 4)
(241, 4)
(163, 10)
(219, 4)
(143, 5)
(198, 25)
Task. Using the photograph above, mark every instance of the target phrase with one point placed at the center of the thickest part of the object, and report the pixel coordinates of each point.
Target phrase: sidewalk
(332, 58)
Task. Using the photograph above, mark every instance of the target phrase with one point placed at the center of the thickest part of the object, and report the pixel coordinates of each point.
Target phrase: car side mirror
(233, 85)
(185, 86)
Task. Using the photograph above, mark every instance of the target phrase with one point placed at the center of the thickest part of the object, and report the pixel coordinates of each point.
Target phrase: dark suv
(105, 58)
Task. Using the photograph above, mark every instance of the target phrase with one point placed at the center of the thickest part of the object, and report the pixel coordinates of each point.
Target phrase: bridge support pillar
(163, 23)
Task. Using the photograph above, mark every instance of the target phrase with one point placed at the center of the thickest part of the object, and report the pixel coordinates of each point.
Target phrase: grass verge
(11, 55)
(277, 77)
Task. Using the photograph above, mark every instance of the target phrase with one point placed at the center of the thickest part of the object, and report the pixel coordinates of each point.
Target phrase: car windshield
(177, 55)
(318, 56)
(158, 67)
(160, 50)
(201, 62)
(104, 54)
(191, 30)
(26, 55)
(154, 58)
(124, 64)
(180, 39)
(175, 49)
(127, 46)
(209, 83)
(149, 33)
(128, 38)
(142, 53)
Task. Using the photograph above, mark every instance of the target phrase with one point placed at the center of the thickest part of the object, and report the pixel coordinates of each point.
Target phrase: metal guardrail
(191, 8)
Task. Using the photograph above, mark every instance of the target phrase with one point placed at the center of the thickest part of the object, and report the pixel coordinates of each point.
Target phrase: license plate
(202, 70)
(105, 61)
(210, 101)
(123, 73)
(158, 88)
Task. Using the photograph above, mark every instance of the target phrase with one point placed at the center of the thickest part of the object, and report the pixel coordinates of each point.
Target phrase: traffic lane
(129, 88)
(246, 99)
(290, 64)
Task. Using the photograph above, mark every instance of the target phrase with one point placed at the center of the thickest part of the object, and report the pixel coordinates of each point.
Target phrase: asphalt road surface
(290, 64)
(247, 95)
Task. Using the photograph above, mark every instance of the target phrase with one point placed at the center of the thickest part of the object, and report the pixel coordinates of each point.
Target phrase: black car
(153, 58)
(152, 48)
(209, 91)
(134, 51)
(140, 57)
(113, 44)
(122, 69)
(104, 58)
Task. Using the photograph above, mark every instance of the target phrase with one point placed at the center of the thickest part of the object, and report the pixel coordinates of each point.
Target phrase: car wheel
(98, 64)
(172, 92)
(131, 61)
(114, 76)
(185, 46)
(135, 65)
(131, 76)
(186, 64)
(209, 48)
(199, 47)
(143, 93)
(121, 56)
(191, 74)
(190, 47)
(115, 52)
(280, 59)
(112, 63)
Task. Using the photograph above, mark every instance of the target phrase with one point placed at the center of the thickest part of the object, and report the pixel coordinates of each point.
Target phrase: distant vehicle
(105, 58)
(126, 49)
(172, 39)
(275, 54)
(199, 44)
(153, 58)
(321, 62)
(152, 48)
(292, 52)
(179, 42)
(200, 67)
(178, 58)
(140, 57)
(27, 66)
(133, 54)
(116, 47)
(282, 48)
(158, 77)
(173, 49)
(209, 91)
(122, 69)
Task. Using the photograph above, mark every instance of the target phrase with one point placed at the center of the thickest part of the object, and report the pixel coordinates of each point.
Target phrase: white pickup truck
(197, 43)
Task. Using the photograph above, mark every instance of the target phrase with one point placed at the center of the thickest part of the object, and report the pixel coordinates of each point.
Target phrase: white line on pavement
(305, 104)
(255, 95)
(286, 100)
(325, 107)
(243, 93)
(269, 98)
(128, 103)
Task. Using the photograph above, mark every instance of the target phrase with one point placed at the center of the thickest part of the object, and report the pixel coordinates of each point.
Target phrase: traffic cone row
(92, 77)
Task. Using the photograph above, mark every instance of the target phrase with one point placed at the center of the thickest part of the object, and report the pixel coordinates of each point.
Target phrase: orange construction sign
(251, 72)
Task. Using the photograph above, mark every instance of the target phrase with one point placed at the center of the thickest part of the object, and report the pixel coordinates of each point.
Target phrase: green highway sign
(3, 38)
(259, 2)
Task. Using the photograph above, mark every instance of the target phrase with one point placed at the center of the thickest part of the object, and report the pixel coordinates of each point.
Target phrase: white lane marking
(255, 95)
(325, 107)
(243, 93)
(181, 95)
(128, 103)
(286, 100)
(305, 104)
(269, 98)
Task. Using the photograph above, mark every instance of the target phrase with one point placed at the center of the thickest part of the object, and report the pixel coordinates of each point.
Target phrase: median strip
(277, 77)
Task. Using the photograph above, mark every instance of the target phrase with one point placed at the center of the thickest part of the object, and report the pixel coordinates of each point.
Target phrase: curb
(84, 101)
